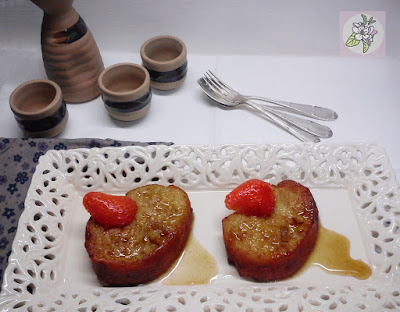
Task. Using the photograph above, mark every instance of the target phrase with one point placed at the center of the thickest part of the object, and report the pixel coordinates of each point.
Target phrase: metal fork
(311, 111)
(305, 125)
(302, 135)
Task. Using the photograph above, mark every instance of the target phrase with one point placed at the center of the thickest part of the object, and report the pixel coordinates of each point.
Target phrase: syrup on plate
(332, 254)
(196, 266)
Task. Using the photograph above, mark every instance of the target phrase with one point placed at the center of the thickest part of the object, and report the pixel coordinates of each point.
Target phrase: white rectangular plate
(353, 185)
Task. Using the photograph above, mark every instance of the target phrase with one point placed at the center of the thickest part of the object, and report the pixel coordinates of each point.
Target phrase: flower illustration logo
(363, 33)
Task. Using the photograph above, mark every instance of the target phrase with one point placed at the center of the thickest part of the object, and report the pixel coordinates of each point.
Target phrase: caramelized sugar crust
(149, 245)
(275, 247)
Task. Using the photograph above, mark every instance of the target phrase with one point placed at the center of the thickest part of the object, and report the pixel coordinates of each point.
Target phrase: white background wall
(266, 27)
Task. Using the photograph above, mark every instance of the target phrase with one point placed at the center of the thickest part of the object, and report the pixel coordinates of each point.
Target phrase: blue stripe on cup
(128, 107)
(169, 76)
(45, 123)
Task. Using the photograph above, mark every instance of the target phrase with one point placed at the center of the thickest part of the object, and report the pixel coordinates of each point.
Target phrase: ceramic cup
(165, 57)
(39, 108)
(125, 89)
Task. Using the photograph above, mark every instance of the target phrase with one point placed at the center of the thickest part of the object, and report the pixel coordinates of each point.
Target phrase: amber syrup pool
(332, 254)
(197, 266)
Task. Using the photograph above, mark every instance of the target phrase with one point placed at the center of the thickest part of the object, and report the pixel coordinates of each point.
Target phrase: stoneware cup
(125, 89)
(165, 57)
(39, 108)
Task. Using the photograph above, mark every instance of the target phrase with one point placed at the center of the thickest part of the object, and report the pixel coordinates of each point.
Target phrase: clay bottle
(70, 54)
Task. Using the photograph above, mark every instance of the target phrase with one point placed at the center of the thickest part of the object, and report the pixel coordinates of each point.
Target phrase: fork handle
(316, 112)
(297, 132)
(310, 126)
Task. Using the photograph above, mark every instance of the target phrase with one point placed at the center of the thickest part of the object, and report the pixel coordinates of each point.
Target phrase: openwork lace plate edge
(362, 169)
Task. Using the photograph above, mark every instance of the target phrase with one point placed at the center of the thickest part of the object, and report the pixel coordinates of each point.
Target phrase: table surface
(363, 91)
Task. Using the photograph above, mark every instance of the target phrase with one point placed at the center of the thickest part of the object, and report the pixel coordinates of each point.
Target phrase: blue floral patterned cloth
(18, 159)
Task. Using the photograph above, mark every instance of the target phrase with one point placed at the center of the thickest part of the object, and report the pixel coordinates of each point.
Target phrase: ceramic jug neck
(53, 7)
(57, 14)
(61, 21)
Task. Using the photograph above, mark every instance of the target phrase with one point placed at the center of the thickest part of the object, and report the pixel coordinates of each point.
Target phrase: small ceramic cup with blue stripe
(165, 57)
(39, 108)
(125, 90)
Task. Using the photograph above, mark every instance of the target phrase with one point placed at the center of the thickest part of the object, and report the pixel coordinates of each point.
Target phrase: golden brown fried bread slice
(274, 247)
(144, 249)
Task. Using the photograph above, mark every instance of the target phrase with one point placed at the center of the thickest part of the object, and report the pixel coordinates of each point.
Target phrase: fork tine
(216, 85)
(216, 81)
(216, 96)
(207, 84)
(210, 84)
(220, 82)
(213, 85)
(214, 88)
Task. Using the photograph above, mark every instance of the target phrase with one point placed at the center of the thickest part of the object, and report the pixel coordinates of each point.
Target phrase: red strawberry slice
(110, 210)
(253, 197)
